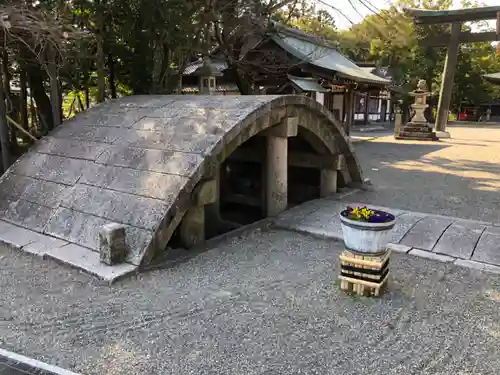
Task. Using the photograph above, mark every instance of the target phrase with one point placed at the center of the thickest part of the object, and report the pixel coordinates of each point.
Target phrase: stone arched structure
(149, 164)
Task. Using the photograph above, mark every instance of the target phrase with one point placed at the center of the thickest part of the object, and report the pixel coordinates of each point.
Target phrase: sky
(349, 14)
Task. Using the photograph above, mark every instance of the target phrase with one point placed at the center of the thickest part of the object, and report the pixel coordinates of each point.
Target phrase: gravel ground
(266, 303)
(457, 177)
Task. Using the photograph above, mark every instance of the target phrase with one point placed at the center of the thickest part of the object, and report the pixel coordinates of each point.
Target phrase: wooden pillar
(277, 165)
(450, 67)
(349, 109)
(366, 114)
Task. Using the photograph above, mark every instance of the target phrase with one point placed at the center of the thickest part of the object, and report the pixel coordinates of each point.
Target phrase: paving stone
(425, 233)
(87, 260)
(478, 266)
(398, 248)
(488, 247)
(43, 244)
(16, 237)
(172, 162)
(114, 205)
(460, 239)
(404, 223)
(27, 214)
(50, 168)
(83, 229)
(45, 193)
(324, 222)
(70, 148)
(144, 183)
(295, 215)
(430, 255)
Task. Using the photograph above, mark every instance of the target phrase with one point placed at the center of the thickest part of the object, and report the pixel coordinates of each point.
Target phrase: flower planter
(366, 237)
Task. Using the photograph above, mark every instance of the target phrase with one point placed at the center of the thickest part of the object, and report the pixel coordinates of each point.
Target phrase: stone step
(34, 243)
(417, 136)
(422, 129)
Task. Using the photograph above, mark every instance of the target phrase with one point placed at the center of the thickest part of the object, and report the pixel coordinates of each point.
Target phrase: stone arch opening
(310, 158)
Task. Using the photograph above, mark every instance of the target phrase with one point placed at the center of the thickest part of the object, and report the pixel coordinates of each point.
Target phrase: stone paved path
(266, 303)
(468, 243)
(457, 177)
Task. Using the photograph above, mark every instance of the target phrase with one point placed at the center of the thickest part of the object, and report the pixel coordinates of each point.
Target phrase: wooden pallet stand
(365, 275)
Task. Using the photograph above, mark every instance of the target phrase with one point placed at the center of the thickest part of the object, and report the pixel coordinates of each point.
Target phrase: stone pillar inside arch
(276, 169)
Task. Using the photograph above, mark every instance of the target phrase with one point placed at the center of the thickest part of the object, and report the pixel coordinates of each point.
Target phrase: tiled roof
(323, 55)
(220, 65)
(308, 84)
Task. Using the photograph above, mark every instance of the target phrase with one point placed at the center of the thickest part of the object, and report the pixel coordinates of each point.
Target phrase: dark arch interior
(242, 183)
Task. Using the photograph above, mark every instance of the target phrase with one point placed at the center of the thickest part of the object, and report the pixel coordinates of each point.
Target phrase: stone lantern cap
(421, 89)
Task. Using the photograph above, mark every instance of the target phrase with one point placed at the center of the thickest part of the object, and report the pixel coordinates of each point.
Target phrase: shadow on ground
(433, 178)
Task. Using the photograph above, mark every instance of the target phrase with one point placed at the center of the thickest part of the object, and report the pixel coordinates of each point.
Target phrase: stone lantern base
(418, 129)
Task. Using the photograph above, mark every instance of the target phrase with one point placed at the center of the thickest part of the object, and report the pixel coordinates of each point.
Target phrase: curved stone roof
(135, 161)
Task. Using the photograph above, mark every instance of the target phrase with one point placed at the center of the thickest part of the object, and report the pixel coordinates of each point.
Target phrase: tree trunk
(4, 131)
(11, 109)
(36, 79)
(54, 88)
(24, 99)
(101, 68)
(111, 69)
(87, 98)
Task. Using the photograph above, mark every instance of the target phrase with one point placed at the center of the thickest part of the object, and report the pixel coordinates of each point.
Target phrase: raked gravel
(264, 303)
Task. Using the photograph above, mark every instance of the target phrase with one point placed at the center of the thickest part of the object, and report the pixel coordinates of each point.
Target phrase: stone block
(398, 248)
(143, 183)
(112, 244)
(70, 148)
(16, 237)
(83, 229)
(141, 212)
(87, 260)
(205, 192)
(488, 247)
(50, 167)
(288, 127)
(171, 162)
(192, 227)
(41, 192)
(27, 214)
(403, 224)
(430, 255)
(43, 244)
(460, 239)
(88, 133)
(170, 139)
(478, 266)
(425, 233)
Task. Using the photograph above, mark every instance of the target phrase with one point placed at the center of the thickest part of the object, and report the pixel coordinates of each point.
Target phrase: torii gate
(453, 40)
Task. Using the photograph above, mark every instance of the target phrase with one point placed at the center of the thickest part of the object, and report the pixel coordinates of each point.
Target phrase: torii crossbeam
(453, 40)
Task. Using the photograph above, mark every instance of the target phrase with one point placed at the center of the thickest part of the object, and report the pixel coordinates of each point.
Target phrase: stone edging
(13, 358)
(283, 222)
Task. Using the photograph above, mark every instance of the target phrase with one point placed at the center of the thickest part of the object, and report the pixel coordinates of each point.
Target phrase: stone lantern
(418, 128)
(207, 74)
